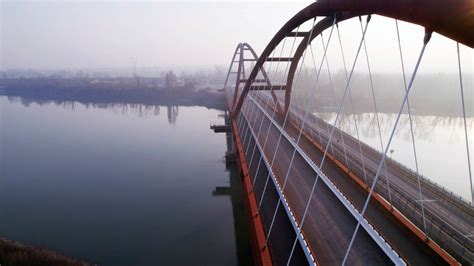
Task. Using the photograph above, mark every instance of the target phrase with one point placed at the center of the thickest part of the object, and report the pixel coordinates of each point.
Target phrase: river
(439, 140)
(120, 184)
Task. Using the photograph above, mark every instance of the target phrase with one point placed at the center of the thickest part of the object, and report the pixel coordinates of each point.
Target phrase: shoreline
(16, 253)
(181, 96)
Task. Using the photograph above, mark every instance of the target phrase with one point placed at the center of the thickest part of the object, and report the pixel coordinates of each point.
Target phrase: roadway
(449, 220)
(329, 225)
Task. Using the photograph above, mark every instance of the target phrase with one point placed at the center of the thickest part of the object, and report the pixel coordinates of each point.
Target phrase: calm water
(119, 185)
(440, 144)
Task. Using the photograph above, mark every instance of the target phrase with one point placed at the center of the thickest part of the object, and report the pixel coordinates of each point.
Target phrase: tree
(171, 80)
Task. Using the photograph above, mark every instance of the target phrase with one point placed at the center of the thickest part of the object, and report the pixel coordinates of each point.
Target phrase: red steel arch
(240, 50)
(451, 18)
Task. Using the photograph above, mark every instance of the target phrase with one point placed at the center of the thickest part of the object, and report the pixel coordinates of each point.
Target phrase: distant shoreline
(153, 91)
(63, 91)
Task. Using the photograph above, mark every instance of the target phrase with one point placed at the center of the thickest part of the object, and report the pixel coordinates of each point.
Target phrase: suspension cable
(335, 103)
(284, 123)
(361, 216)
(308, 107)
(250, 124)
(376, 115)
(247, 129)
(418, 177)
(317, 121)
(261, 125)
(334, 99)
(239, 121)
(295, 101)
(327, 124)
(352, 107)
(240, 126)
(294, 151)
(465, 124)
(331, 135)
(268, 130)
(298, 101)
(247, 132)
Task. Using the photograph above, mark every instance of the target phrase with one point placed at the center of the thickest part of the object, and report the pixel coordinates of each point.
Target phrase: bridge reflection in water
(234, 191)
(318, 195)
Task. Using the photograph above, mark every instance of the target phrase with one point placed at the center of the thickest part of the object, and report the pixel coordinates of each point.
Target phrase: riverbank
(17, 254)
(66, 90)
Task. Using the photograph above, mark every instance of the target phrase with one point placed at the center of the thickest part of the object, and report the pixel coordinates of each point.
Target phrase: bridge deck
(449, 219)
(328, 227)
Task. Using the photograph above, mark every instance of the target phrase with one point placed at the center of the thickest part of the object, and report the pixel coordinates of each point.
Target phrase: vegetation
(151, 91)
(16, 254)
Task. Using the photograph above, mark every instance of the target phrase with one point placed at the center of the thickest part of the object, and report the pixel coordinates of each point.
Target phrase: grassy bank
(14, 253)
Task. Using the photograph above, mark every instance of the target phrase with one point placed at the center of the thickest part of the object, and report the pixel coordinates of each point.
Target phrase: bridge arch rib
(240, 78)
(451, 18)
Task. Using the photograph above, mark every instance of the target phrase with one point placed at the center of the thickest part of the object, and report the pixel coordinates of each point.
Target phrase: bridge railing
(438, 229)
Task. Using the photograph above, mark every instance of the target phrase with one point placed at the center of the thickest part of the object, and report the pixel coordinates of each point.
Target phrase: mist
(118, 36)
(72, 35)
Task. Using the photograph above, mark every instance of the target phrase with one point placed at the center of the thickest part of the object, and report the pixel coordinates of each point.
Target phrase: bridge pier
(261, 255)
(235, 155)
(230, 157)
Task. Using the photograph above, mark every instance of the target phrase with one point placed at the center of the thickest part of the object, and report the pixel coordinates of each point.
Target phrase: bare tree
(137, 78)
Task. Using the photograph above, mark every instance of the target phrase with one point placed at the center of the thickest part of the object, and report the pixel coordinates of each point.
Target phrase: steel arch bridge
(321, 196)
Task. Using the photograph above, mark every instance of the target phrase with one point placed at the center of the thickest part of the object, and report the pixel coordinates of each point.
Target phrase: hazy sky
(103, 34)
(96, 34)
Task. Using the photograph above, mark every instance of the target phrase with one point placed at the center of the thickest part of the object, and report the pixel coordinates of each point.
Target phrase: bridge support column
(257, 233)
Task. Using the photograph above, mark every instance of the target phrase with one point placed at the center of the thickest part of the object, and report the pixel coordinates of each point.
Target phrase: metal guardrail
(436, 188)
(438, 230)
(309, 256)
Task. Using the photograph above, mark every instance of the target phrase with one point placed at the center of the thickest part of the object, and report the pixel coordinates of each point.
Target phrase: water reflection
(440, 143)
(172, 112)
(234, 191)
(422, 125)
(241, 227)
(116, 184)
(141, 110)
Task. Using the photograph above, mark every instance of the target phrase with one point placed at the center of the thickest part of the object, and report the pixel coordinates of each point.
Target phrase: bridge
(317, 194)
